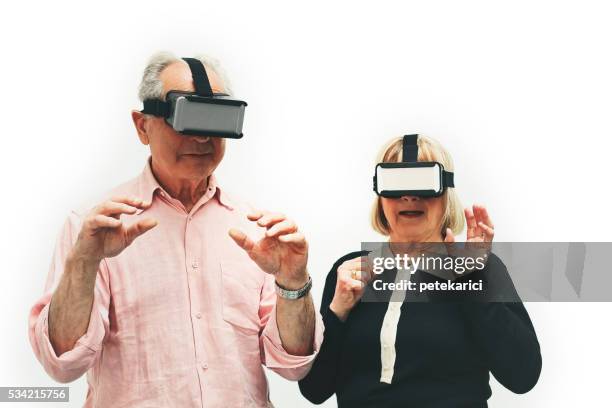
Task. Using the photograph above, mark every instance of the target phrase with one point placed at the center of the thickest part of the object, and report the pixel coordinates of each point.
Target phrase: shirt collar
(148, 185)
(221, 195)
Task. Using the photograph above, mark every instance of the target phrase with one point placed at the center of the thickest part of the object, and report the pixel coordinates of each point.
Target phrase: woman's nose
(410, 198)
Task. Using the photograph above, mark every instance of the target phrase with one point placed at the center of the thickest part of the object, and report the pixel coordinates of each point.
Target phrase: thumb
(450, 237)
(139, 228)
(241, 239)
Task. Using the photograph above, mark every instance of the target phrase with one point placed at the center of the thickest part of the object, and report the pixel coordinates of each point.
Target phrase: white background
(519, 92)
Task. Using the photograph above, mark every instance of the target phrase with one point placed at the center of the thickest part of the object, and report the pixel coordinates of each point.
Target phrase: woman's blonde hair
(429, 150)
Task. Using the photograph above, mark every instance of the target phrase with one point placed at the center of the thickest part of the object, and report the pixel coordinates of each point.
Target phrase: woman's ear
(140, 120)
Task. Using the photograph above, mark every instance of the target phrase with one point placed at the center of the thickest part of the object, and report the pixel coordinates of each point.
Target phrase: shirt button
(205, 366)
(194, 264)
(189, 218)
(198, 315)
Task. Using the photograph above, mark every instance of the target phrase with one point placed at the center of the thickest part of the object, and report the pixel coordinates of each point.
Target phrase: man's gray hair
(151, 86)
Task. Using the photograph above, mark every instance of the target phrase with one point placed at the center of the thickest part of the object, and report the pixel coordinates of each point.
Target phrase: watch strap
(293, 294)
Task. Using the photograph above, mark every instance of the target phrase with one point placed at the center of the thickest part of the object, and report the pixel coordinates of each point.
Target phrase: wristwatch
(293, 294)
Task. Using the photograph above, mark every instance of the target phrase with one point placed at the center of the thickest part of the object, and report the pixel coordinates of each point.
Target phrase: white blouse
(388, 331)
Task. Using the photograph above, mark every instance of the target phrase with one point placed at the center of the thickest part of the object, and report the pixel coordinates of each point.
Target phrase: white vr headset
(411, 177)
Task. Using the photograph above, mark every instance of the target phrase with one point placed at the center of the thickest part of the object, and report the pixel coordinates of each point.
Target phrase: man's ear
(140, 120)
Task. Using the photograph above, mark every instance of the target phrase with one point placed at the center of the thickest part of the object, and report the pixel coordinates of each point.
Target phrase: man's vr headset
(411, 177)
(200, 113)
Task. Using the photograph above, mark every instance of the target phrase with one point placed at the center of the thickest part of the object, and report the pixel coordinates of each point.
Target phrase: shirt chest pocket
(241, 291)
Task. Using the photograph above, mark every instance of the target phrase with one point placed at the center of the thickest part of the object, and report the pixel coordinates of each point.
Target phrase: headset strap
(410, 149)
(448, 179)
(200, 79)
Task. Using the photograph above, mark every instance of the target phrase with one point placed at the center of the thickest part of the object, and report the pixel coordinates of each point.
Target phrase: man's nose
(200, 139)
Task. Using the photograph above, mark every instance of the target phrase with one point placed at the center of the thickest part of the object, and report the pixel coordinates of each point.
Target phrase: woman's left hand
(479, 225)
(480, 234)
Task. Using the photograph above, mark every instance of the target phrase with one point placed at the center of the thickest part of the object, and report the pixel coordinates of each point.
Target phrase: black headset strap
(448, 179)
(410, 153)
(410, 149)
(200, 79)
(161, 108)
(156, 107)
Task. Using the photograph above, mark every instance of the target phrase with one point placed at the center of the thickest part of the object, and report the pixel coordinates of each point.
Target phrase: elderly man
(148, 294)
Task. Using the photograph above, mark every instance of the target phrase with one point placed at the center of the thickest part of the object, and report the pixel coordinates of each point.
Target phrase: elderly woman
(433, 354)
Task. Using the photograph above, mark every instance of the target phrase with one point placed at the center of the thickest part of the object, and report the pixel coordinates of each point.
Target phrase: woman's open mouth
(411, 214)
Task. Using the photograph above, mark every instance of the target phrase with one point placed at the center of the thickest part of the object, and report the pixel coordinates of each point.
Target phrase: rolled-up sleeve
(274, 355)
(73, 363)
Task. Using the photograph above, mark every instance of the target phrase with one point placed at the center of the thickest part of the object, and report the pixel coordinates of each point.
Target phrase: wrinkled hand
(480, 233)
(352, 278)
(282, 252)
(479, 226)
(104, 235)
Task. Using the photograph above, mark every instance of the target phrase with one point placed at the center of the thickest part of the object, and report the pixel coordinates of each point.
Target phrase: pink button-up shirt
(181, 318)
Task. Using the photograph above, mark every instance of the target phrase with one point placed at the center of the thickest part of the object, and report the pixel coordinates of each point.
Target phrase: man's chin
(194, 168)
(196, 160)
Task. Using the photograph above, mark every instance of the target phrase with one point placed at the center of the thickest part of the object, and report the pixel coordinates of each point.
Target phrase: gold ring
(354, 274)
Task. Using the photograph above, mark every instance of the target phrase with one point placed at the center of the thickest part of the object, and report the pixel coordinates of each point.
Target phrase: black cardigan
(445, 351)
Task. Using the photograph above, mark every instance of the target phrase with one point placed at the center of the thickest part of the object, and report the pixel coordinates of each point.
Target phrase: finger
(361, 275)
(241, 239)
(481, 217)
(139, 228)
(366, 277)
(450, 237)
(471, 222)
(360, 268)
(355, 284)
(255, 215)
(367, 266)
(488, 231)
(133, 201)
(478, 232)
(283, 227)
(102, 221)
(477, 214)
(297, 238)
(484, 216)
(349, 275)
(362, 263)
(269, 220)
(112, 208)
